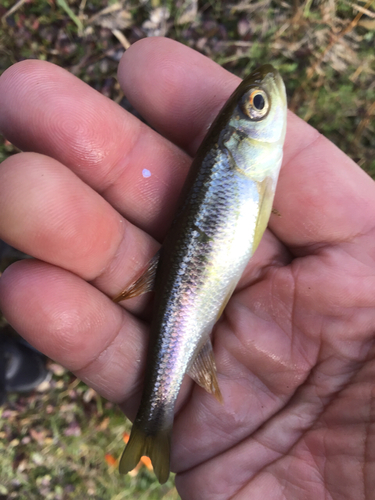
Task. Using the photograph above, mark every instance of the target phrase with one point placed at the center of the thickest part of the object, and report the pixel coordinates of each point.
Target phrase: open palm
(91, 199)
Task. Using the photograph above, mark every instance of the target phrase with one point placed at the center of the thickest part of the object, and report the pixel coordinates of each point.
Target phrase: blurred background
(61, 440)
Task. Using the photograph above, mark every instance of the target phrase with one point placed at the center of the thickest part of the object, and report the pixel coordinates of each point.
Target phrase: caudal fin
(156, 446)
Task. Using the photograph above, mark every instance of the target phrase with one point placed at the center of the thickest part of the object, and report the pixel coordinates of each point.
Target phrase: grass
(60, 443)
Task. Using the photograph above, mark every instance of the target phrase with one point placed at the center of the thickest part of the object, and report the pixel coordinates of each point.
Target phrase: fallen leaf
(38, 436)
(104, 424)
(57, 369)
(110, 459)
(146, 461)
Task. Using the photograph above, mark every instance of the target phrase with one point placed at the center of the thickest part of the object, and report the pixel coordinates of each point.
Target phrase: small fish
(225, 206)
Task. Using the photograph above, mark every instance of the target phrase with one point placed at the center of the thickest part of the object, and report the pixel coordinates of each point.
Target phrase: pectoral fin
(143, 284)
(203, 371)
(266, 191)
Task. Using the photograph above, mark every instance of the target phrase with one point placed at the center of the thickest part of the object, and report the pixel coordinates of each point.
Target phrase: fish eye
(259, 102)
(255, 104)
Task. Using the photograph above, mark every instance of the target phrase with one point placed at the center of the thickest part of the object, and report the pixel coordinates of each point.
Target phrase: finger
(75, 324)
(184, 91)
(322, 196)
(49, 213)
(135, 169)
(175, 88)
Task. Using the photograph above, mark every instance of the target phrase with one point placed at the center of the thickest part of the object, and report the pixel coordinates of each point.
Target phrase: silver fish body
(224, 210)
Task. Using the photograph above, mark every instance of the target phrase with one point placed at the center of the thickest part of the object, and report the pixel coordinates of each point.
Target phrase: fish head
(255, 127)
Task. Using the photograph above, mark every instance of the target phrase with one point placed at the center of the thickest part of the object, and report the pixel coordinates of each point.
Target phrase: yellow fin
(143, 284)
(266, 194)
(203, 371)
(156, 446)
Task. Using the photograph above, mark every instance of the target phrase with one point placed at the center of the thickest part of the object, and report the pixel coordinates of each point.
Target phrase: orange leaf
(147, 462)
(125, 437)
(110, 459)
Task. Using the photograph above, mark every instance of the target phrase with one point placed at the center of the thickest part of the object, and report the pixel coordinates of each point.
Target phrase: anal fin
(143, 284)
(203, 371)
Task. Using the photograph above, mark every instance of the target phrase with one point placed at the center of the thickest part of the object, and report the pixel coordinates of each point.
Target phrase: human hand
(294, 348)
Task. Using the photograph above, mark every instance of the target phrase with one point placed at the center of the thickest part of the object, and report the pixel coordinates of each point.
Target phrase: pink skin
(295, 350)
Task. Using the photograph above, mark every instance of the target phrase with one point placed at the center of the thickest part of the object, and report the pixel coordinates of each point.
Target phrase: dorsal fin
(143, 284)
